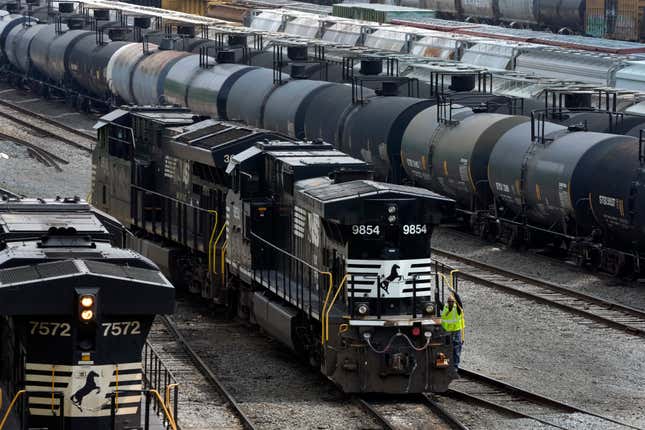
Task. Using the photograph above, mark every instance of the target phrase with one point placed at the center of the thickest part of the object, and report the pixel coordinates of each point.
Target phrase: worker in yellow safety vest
(452, 320)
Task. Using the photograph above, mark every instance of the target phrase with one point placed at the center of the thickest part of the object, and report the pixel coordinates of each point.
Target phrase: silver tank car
(17, 46)
(149, 75)
(179, 78)
(522, 11)
(121, 67)
(248, 94)
(8, 23)
(485, 9)
(208, 91)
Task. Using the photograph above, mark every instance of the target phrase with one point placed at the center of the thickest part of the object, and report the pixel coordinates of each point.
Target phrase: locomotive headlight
(87, 308)
(428, 308)
(391, 209)
(362, 309)
(391, 219)
(87, 301)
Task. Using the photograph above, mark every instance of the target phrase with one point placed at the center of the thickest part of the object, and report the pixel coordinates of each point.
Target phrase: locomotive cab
(74, 316)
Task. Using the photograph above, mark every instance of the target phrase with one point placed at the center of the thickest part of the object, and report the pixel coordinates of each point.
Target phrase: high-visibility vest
(452, 320)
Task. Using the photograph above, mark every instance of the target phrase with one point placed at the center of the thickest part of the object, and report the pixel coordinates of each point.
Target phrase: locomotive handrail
(210, 241)
(304, 263)
(222, 267)
(169, 417)
(219, 235)
(331, 305)
(10, 408)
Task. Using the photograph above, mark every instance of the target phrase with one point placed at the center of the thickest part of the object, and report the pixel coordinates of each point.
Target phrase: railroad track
(47, 126)
(442, 417)
(47, 158)
(475, 388)
(186, 350)
(605, 312)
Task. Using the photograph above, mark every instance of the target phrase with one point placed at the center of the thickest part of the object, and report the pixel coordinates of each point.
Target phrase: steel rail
(612, 314)
(524, 396)
(47, 158)
(208, 373)
(369, 409)
(447, 417)
(50, 121)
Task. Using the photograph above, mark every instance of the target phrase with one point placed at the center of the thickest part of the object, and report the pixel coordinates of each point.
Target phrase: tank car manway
(207, 372)
(475, 388)
(48, 126)
(602, 311)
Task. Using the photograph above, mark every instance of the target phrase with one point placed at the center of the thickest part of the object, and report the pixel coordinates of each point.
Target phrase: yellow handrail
(210, 241)
(222, 271)
(13, 402)
(168, 388)
(53, 385)
(331, 306)
(169, 417)
(116, 390)
(322, 313)
(0, 399)
(219, 235)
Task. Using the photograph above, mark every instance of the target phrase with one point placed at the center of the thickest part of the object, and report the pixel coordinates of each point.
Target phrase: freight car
(331, 263)
(75, 312)
(338, 113)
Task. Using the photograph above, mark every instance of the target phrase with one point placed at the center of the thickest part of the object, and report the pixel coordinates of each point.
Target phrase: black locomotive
(296, 234)
(74, 315)
(447, 143)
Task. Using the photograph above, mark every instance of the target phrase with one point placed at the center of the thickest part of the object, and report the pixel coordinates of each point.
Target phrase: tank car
(295, 235)
(75, 311)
